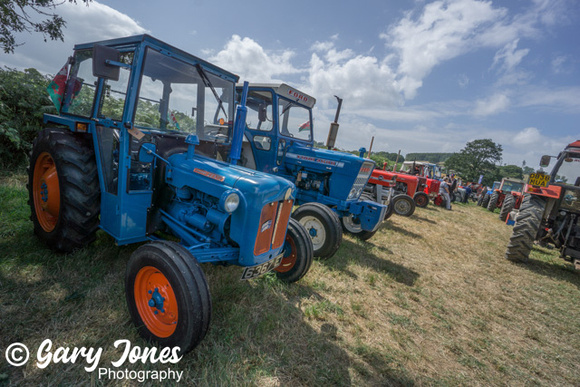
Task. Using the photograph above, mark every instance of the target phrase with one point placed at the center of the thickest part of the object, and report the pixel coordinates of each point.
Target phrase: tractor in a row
(507, 197)
(551, 208)
(145, 147)
(278, 139)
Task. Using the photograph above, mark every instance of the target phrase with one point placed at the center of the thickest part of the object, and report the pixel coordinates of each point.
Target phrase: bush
(23, 100)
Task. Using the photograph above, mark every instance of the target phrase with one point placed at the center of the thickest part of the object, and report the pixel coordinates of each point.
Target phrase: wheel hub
(156, 301)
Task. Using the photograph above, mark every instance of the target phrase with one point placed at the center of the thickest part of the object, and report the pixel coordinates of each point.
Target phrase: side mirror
(147, 152)
(545, 161)
(102, 58)
(262, 116)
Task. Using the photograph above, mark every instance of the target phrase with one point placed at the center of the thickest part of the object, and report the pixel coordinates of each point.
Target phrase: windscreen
(181, 97)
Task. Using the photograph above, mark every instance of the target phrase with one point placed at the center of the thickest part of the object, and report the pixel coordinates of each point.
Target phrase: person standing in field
(444, 191)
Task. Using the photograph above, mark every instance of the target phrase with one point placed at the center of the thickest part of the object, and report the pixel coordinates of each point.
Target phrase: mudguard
(370, 214)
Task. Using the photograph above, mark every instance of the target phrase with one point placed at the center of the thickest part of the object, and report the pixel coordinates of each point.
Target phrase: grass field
(430, 300)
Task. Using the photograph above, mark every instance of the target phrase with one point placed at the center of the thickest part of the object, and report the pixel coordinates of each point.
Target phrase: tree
(15, 17)
(511, 171)
(23, 100)
(479, 157)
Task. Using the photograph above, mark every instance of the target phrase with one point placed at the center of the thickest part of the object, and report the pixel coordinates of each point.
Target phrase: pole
(396, 161)
(371, 147)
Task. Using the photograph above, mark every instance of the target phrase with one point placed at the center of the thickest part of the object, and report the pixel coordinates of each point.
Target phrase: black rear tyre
(167, 295)
(421, 199)
(526, 228)
(298, 253)
(507, 206)
(63, 186)
(323, 227)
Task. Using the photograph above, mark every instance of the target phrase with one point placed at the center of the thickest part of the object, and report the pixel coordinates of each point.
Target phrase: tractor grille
(361, 179)
(272, 228)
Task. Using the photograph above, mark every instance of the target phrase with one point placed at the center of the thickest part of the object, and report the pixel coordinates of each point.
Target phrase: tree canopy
(479, 157)
(17, 16)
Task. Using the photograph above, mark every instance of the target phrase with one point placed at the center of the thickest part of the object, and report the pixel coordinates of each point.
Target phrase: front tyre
(485, 200)
(167, 295)
(298, 253)
(63, 188)
(323, 227)
(403, 205)
(492, 204)
(506, 207)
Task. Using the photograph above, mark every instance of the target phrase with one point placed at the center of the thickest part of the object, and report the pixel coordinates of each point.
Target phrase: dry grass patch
(428, 300)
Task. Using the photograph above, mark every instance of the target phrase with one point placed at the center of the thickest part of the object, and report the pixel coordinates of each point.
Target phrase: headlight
(352, 193)
(230, 201)
(288, 194)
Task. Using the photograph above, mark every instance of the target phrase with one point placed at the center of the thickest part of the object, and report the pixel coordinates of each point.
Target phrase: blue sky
(420, 76)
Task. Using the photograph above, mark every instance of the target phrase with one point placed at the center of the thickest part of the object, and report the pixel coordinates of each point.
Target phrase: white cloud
(527, 136)
(245, 57)
(361, 81)
(492, 105)
(83, 24)
(446, 29)
(509, 56)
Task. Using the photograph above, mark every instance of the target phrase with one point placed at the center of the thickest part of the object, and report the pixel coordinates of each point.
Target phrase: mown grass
(429, 300)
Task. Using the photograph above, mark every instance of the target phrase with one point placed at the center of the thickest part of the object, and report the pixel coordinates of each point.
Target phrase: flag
(174, 120)
(56, 88)
(304, 126)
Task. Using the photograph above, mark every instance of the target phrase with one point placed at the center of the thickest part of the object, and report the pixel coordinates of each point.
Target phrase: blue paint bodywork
(333, 178)
(189, 200)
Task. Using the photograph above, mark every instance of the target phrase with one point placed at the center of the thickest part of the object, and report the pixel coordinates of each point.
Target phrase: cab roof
(287, 91)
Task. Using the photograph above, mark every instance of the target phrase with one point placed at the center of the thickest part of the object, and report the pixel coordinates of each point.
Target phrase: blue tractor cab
(279, 140)
(142, 148)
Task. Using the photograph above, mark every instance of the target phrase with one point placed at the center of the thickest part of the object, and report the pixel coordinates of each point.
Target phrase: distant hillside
(432, 157)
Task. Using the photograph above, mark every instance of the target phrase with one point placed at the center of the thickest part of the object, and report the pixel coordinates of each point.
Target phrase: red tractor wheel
(421, 199)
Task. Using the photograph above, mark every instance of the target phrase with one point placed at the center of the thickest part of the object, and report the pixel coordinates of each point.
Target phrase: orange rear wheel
(46, 192)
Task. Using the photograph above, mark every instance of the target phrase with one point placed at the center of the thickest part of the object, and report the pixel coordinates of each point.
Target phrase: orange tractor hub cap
(46, 192)
(156, 301)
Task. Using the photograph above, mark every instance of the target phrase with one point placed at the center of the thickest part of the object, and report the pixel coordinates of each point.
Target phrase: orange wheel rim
(156, 301)
(290, 256)
(46, 192)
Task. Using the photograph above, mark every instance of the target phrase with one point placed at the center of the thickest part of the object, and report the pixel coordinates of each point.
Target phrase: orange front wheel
(167, 295)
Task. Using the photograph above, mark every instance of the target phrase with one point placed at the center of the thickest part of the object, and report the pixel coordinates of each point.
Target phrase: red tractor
(405, 186)
(550, 209)
(429, 175)
(507, 197)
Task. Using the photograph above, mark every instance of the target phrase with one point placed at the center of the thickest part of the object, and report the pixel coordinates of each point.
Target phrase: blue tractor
(145, 147)
(279, 140)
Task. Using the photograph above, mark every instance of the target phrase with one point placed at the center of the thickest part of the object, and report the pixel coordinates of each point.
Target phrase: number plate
(539, 179)
(258, 270)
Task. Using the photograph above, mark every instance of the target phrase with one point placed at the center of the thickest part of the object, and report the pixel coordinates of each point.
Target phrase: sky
(419, 76)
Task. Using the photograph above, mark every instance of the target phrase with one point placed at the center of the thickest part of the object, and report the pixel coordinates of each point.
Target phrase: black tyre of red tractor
(506, 207)
(298, 253)
(421, 199)
(492, 204)
(526, 228)
(403, 205)
(480, 200)
(167, 295)
(323, 227)
(63, 188)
